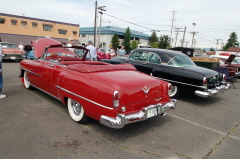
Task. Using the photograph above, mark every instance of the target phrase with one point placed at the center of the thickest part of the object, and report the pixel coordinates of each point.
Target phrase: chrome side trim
(84, 98)
(30, 72)
(180, 82)
(46, 92)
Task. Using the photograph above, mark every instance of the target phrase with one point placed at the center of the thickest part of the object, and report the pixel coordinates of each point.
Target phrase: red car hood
(12, 51)
(40, 45)
(130, 84)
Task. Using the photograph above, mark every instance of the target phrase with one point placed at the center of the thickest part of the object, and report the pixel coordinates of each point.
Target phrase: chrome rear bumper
(123, 119)
(212, 92)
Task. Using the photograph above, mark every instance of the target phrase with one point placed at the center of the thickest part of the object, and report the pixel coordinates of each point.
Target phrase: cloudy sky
(214, 19)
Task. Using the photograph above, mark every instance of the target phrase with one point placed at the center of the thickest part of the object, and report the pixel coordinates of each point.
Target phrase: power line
(131, 22)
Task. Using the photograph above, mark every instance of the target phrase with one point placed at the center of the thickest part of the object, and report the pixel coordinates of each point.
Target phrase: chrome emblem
(145, 89)
(158, 99)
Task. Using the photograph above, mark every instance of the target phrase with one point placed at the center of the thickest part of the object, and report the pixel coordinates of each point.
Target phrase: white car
(224, 58)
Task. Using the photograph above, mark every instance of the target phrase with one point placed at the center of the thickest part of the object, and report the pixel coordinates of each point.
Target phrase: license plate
(152, 112)
(13, 57)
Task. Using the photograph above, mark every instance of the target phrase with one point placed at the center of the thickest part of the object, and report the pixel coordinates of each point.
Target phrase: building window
(2, 20)
(83, 35)
(62, 31)
(24, 23)
(34, 24)
(74, 33)
(47, 27)
(14, 21)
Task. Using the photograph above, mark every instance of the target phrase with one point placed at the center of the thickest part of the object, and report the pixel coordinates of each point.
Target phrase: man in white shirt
(70, 44)
(92, 55)
(1, 79)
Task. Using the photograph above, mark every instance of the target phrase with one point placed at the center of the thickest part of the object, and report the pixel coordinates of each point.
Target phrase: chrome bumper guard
(237, 74)
(212, 92)
(123, 119)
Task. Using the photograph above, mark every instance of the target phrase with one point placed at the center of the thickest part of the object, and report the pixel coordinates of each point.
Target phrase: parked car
(230, 62)
(176, 68)
(228, 54)
(11, 52)
(115, 95)
(213, 63)
(101, 54)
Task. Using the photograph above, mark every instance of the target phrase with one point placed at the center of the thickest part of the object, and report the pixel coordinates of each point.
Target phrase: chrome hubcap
(77, 108)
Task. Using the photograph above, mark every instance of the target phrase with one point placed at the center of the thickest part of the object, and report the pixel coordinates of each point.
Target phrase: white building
(106, 34)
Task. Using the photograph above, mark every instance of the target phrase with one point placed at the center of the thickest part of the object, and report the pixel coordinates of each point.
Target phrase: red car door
(44, 71)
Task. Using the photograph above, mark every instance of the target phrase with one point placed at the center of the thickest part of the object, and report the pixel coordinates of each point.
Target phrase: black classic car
(176, 68)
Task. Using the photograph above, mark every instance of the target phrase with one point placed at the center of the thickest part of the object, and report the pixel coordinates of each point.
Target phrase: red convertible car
(115, 95)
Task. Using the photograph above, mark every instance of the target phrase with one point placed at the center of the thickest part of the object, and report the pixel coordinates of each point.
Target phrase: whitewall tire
(175, 91)
(76, 111)
(27, 84)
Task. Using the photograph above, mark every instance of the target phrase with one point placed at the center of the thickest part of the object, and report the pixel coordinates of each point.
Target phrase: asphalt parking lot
(34, 125)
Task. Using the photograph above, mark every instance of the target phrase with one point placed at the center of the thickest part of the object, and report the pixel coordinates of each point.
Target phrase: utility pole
(172, 26)
(183, 35)
(195, 41)
(187, 43)
(217, 43)
(23, 14)
(95, 25)
(101, 12)
(222, 44)
(177, 35)
(193, 37)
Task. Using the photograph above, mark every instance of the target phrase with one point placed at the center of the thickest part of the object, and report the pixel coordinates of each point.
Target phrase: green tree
(212, 49)
(134, 44)
(164, 42)
(232, 41)
(126, 40)
(115, 41)
(154, 45)
(153, 38)
(203, 50)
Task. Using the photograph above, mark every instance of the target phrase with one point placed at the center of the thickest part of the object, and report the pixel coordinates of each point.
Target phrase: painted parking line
(219, 132)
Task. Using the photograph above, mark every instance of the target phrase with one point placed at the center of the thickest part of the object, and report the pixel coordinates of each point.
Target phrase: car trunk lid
(132, 86)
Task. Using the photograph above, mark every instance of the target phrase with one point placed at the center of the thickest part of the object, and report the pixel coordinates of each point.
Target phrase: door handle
(51, 65)
(144, 64)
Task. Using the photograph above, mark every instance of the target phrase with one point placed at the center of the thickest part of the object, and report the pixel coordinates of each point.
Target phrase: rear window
(181, 61)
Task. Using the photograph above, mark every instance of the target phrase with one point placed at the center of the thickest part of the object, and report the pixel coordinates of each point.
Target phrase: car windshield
(236, 61)
(101, 50)
(181, 61)
(8, 45)
(60, 52)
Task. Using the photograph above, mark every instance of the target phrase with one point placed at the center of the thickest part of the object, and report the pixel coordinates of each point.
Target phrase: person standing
(1, 79)
(92, 51)
(20, 46)
(70, 44)
(27, 49)
(121, 52)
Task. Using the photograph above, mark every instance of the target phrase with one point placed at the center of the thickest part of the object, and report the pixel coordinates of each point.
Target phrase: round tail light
(205, 82)
(115, 99)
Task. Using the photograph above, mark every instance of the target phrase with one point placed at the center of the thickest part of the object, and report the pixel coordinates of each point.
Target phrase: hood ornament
(145, 89)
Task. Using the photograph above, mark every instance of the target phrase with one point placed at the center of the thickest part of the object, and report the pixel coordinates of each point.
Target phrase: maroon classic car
(115, 95)
(230, 62)
(101, 54)
(11, 52)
